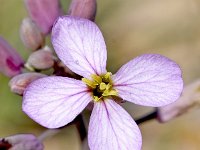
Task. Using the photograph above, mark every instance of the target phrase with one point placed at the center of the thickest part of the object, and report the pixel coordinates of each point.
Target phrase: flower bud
(10, 62)
(20, 82)
(44, 13)
(189, 99)
(30, 34)
(62, 67)
(41, 59)
(21, 142)
(83, 8)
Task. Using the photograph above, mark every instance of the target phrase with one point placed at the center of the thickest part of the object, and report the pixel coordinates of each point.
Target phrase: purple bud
(83, 8)
(31, 35)
(21, 81)
(10, 62)
(21, 142)
(44, 13)
(41, 59)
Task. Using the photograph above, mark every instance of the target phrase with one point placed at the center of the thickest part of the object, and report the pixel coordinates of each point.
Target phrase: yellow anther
(102, 86)
(107, 77)
(89, 83)
(109, 93)
(96, 99)
(96, 78)
(108, 86)
(113, 92)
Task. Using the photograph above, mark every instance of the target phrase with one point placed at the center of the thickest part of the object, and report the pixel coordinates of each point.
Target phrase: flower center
(101, 86)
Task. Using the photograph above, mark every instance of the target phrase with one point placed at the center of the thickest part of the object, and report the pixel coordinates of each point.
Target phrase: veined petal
(80, 45)
(55, 101)
(111, 127)
(149, 80)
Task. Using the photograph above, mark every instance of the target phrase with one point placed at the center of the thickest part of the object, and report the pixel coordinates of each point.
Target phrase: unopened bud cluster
(33, 32)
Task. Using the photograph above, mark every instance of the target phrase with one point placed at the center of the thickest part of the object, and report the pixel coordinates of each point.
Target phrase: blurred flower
(19, 82)
(21, 142)
(149, 80)
(190, 98)
(10, 62)
(83, 8)
(30, 35)
(41, 59)
(44, 13)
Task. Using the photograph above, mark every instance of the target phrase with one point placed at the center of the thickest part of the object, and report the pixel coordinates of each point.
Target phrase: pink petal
(55, 101)
(112, 128)
(149, 80)
(80, 45)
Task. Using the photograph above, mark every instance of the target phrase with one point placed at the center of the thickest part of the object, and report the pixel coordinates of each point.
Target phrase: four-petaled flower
(148, 80)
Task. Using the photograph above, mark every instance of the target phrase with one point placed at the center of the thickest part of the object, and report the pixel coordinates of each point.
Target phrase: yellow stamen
(101, 86)
(108, 86)
(96, 78)
(96, 98)
(109, 93)
(107, 77)
(89, 83)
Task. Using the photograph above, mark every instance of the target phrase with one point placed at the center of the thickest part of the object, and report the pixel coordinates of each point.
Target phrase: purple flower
(148, 80)
(10, 61)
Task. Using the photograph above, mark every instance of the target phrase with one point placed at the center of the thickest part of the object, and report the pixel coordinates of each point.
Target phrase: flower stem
(150, 116)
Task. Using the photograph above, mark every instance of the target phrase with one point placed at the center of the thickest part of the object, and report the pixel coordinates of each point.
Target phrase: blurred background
(130, 28)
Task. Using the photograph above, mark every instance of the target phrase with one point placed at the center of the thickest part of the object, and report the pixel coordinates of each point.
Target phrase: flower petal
(55, 101)
(80, 45)
(111, 127)
(149, 80)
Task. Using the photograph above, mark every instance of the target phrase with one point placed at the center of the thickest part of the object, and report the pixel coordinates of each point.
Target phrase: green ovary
(101, 86)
